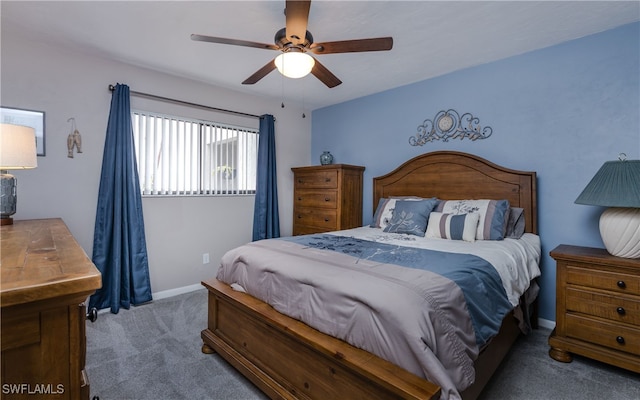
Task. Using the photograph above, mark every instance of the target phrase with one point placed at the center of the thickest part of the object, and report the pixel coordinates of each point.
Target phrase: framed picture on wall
(30, 118)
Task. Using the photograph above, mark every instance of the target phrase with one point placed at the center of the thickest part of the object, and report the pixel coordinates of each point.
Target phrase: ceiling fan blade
(234, 42)
(321, 72)
(353, 46)
(261, 73)
(297, 13)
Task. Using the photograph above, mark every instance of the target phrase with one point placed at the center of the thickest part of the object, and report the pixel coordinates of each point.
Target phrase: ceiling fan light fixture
(294, 64)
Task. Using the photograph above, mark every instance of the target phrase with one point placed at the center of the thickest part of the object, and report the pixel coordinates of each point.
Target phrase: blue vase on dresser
(326, 158)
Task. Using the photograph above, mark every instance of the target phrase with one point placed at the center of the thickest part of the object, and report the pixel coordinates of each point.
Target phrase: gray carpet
(153, 352)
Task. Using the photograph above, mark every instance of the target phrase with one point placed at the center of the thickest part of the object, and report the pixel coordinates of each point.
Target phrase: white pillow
(453, 227)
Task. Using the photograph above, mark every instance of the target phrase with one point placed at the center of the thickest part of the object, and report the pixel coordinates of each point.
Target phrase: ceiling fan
(294, 41)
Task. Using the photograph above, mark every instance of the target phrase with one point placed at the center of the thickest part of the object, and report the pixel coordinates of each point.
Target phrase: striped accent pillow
(452, 227)
(492, 215)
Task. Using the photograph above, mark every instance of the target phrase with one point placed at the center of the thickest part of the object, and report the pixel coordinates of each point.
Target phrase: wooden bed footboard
(287, 359)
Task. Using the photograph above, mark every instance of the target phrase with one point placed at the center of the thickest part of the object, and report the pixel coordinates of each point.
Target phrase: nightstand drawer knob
(620, 311)
(327, 199)
(299, 198)
(621, 284)
(620, 339)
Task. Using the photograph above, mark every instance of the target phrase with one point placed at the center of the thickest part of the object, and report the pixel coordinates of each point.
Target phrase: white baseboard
(174, 292)
(545, 323)
(165, 294)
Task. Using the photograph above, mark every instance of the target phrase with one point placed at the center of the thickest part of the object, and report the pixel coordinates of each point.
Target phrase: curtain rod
(153, 96)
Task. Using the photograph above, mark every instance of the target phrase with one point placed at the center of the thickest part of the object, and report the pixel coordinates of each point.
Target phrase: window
(185, 157)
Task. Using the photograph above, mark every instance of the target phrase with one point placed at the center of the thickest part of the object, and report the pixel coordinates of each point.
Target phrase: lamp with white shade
(17, 151)
(617, 186)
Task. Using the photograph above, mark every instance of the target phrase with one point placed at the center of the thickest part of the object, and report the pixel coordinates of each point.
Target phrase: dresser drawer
(616, 308)
(316, 198)
(615, 336)
(319, 217)
(605, 280)
(308, 230)
(317, 180)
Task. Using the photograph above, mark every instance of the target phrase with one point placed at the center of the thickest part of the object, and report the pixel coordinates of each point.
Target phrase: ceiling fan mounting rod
(281, 39)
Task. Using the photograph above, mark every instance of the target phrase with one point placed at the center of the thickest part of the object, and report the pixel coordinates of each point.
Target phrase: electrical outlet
(205, 258)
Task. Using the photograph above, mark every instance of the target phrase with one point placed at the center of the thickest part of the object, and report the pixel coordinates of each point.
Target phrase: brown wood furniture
(46, 278)
(597, 307)
(287, 359)
(326, 198)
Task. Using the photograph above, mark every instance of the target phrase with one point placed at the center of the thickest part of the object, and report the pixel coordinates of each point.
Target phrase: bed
(288, 359)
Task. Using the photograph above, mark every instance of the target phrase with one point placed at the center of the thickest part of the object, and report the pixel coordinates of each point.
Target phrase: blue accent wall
(561, 111)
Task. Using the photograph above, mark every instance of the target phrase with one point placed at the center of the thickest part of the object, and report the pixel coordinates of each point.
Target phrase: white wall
(64, 84)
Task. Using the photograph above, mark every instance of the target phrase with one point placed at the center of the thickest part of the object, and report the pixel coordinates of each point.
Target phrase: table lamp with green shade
(617, 186)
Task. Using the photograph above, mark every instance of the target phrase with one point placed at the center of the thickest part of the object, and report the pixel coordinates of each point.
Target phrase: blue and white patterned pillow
(492, 215)
(410, 216)
(384, 211)
(453, 227)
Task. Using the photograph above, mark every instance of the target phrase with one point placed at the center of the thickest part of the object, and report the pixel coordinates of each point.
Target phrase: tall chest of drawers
(327, 198)
(597, 307)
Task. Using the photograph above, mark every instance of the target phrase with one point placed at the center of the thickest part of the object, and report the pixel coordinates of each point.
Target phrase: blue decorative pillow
(410, 216)
(384, 211)
(453, 227)
(492, 215)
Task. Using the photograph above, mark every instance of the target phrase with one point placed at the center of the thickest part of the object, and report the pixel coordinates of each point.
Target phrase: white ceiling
(430, 38)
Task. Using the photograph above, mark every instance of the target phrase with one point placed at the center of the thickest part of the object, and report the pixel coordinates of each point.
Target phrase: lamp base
(6, 221)
(620, 231)
(8, 197)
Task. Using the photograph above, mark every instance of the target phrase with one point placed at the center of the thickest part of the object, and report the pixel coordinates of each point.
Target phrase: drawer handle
(299, 216)
(92, 315)
(620, 339)
(621, 284)
(326, 220)
(300, 181)
(299, 198)
(327, 199)
(621, 311)
(327, 179)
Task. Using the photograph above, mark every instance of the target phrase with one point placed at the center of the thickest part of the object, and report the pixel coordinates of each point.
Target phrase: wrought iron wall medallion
(450, 125)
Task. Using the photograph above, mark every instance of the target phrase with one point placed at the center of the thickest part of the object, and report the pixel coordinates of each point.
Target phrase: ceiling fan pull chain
(304, 86)
(282, 90)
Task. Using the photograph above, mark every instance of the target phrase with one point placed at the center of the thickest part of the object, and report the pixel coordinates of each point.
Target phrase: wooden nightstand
(326, 198)
(597, 307)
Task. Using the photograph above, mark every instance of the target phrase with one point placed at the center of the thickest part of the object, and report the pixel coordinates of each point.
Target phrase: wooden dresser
(597, 307)
(46, 278)
(327, 198)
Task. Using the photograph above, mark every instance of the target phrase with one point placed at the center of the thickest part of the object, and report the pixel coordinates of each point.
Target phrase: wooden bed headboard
(452, 175)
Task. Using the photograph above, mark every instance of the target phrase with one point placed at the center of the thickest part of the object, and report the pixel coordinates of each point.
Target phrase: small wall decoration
(74, 140)
(450, 125)
(31, 118)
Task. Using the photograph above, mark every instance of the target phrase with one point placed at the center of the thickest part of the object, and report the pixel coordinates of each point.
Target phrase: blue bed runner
(480, 283)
